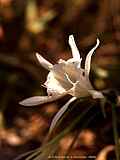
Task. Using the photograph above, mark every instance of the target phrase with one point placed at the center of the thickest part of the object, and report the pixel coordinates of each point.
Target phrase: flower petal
(75, 62)
(96, 94)
(47, 65)
(75, 51)
(55, 86)
(80, 89)
(60, 113)
(58, 72)
(37, 100)
(73, 72)
(88, 58)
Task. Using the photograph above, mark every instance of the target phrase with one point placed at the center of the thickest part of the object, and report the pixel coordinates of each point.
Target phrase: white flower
(66, 77)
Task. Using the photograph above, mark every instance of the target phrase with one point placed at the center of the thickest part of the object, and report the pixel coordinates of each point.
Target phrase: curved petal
(37, 100)
(58, 73)
(96, 94)
(75, 51)
(88, 58)
(47, 65)
(60, 113)
(55, 86)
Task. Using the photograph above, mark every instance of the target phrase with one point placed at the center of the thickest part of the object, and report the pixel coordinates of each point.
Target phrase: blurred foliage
(43, 26)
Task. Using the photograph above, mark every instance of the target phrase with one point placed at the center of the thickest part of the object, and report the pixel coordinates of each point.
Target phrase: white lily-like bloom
(66, 77)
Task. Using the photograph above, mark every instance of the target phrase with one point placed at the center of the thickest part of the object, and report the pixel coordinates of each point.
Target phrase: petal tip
(27, 103)
(38, 56)
(71, 38)
(32, 101)
(98, 41)
(75, 51)
(22, 103)
(47, 65)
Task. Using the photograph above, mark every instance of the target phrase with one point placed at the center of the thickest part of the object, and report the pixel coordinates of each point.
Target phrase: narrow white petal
(88, 58)
(36, 100)
(75, 51)
(60, 113)
(96, 94)
(47, 65)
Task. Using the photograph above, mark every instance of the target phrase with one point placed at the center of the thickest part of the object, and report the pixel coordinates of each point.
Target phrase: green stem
(33, 152)
(72, 144)
(77, 133)
(115, 132)
(68, 129)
